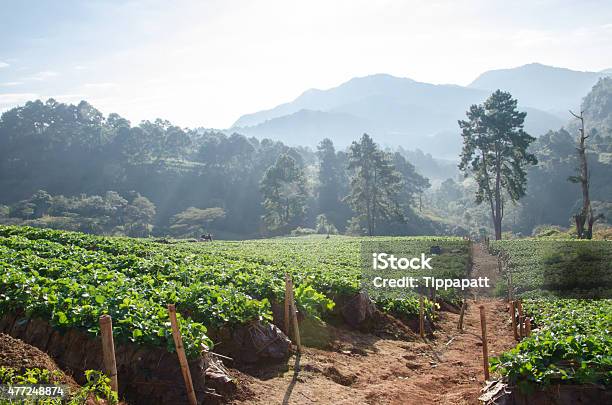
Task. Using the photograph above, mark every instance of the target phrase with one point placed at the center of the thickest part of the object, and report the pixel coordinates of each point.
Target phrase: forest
(70, 167)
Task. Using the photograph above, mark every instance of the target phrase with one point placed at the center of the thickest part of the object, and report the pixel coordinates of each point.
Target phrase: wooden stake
(108, 350)
(180, 351)
(510, 292)
(521, 319)
(485, 350)
(460, 324)
(421, 318)
(433, 298)
(287, 304)
(513, 317)
(296, 329)
(527, 326)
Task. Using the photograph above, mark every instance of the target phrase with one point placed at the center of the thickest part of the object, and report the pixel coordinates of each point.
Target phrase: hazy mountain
(308, 127)
(396, 111)
(543, 87)
(597, 107)
(376, 96)
(400, 111)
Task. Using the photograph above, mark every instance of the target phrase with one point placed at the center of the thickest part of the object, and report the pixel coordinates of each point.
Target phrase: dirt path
(445, 369)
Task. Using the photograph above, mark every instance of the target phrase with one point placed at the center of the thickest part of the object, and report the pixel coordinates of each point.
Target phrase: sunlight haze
(206, 63)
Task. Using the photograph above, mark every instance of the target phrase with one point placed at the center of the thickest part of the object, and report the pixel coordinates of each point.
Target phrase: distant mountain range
(403, 112)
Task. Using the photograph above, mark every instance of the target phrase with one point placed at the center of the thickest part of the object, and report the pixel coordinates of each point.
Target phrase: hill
(548, 88)
(401, 111)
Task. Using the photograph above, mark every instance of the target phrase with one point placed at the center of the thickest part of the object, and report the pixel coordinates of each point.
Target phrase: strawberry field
(70, 279)
(571, 342)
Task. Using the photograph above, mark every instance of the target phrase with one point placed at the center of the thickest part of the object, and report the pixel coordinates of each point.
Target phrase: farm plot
(71, 279)
(571, 343)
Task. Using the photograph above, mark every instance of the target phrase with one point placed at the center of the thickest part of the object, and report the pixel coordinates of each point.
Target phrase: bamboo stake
(433, 298)
(287, 304)
(296, 329)
(513, 317)
(421, 318)
(180, 351)
(108, 350)
(485, 350)
(521, 320)
(527, 326)
(463, 306)
(510, 292)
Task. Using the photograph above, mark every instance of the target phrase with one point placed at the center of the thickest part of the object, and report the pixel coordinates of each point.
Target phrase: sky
(205, 63)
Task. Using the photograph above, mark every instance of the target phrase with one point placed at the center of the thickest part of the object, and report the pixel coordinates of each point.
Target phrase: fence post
(108, 350)
(521, 319)
(421, 318)
(460, 324)
(296, 329)
(485, 349)
(287, 304)
(180, 351)
(527, 326)
(513, 317)
(510, 288)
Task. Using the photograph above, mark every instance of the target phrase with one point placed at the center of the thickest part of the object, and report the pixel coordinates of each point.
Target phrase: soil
(444, 368)
(15, 353)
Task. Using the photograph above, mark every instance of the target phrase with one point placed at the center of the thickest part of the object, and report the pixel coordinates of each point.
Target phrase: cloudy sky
(205, 63)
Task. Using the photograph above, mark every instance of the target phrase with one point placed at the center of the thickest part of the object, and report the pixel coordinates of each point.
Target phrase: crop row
(71, 279)
(573, 269)
(571, 342)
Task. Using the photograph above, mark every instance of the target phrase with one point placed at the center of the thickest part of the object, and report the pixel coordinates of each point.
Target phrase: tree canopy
(495, 152)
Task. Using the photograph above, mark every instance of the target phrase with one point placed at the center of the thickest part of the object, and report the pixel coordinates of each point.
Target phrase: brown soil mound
(15, 353)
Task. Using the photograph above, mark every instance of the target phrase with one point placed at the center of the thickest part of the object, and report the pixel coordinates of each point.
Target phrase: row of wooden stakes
(483, 329)
(521, 325)
(110, 364)
(108, 346)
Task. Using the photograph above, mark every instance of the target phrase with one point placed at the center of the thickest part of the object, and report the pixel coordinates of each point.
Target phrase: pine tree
(375, 185)
(495, 152)
(284, 192)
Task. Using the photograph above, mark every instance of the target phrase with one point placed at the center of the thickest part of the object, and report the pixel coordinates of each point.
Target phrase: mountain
(597, 107)
(308, 127)
(543, 87)
(401, 111)
(396, 111)
(374, 97)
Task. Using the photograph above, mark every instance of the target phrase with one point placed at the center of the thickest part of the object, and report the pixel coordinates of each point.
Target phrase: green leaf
(62, 319)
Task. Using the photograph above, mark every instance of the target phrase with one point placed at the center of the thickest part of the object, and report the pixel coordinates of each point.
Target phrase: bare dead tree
(585, 216)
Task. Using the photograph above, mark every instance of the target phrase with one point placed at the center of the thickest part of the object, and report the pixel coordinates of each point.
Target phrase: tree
(324, 226)
(139, 216)
(42, 202)
(330, 186)
(585, 216)
(414, 183)
(284, 191)
(375, 185)
(495, 152)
